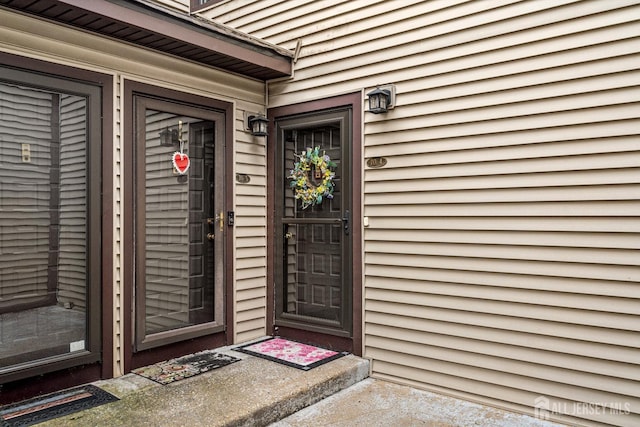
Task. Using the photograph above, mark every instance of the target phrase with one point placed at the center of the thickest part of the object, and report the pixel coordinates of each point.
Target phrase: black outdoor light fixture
(257, 124)
(382, 99)
(169, 137)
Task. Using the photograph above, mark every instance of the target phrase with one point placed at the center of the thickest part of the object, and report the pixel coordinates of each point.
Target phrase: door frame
(353, 101)
(190, 344)
(341, 116)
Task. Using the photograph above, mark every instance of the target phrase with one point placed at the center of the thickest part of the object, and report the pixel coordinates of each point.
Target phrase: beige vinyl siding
(118, 235)
(180, 5)
(251, 234)
(501, 259)
(27, 36)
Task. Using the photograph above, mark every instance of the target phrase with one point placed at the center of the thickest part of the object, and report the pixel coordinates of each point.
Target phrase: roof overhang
(149, 25)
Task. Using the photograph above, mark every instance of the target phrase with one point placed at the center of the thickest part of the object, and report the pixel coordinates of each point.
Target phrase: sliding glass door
(50, 307)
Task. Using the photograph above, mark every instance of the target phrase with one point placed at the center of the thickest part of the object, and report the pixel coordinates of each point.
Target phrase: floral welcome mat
(184, 367)
(290, 353)
(54, 405)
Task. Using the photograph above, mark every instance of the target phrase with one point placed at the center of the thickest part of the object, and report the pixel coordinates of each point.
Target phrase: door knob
(288, 236)
(211, 236)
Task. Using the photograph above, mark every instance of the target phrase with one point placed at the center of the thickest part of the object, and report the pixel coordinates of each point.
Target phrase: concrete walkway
(373, 403)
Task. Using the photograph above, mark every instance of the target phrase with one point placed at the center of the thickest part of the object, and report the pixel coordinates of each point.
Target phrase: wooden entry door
(313, 243)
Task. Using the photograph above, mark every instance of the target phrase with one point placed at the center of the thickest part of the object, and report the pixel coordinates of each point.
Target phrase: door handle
(211, 236)
(345, 221)
(220, 218)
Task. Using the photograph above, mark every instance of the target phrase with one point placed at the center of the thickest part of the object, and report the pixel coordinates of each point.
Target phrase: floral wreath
(307, 191)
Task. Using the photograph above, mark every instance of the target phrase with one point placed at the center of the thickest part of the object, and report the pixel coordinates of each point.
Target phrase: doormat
(184, 367)
(54, 405)
(291, 353)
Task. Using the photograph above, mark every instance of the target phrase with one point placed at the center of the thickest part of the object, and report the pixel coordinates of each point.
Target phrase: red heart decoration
(181, 162)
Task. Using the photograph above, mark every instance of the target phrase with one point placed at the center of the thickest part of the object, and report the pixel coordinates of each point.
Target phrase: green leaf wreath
(306, 191)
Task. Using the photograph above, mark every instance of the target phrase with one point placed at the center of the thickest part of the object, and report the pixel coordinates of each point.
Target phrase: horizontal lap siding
(181, 5)
(251, 235)
(501, 259)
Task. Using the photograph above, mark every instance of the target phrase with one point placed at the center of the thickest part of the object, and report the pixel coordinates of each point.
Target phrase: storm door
(313, 224)
(179, 290)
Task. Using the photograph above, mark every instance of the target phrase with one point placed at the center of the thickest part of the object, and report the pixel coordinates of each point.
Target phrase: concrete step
(251, 392)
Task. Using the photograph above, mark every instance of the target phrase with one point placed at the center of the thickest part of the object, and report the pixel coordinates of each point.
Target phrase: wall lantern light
(257, 124)
(169, 137)
(382, 99)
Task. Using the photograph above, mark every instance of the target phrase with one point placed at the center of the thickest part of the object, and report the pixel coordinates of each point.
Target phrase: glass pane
(297, 142)
(179, 265)
(43, 216)
(313, 250)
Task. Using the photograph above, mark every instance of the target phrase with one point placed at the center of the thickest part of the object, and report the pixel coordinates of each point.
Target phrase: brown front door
(313, 228)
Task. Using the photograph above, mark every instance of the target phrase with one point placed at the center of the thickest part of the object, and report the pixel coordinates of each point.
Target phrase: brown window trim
(67, 375)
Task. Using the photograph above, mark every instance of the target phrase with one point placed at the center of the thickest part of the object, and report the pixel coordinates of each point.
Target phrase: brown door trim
(354, 101)
(196, 344)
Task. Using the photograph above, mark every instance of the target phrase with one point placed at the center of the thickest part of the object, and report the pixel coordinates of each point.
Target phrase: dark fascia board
(196, 32)
(232, 50)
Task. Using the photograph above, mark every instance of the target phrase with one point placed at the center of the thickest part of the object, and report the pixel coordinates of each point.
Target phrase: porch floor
(251, 392)
(257, 392)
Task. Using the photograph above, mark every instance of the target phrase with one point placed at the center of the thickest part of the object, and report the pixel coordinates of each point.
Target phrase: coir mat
(184, 367)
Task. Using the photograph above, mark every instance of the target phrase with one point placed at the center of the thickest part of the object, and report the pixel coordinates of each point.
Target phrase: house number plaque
(376, 162)
(243, 178)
